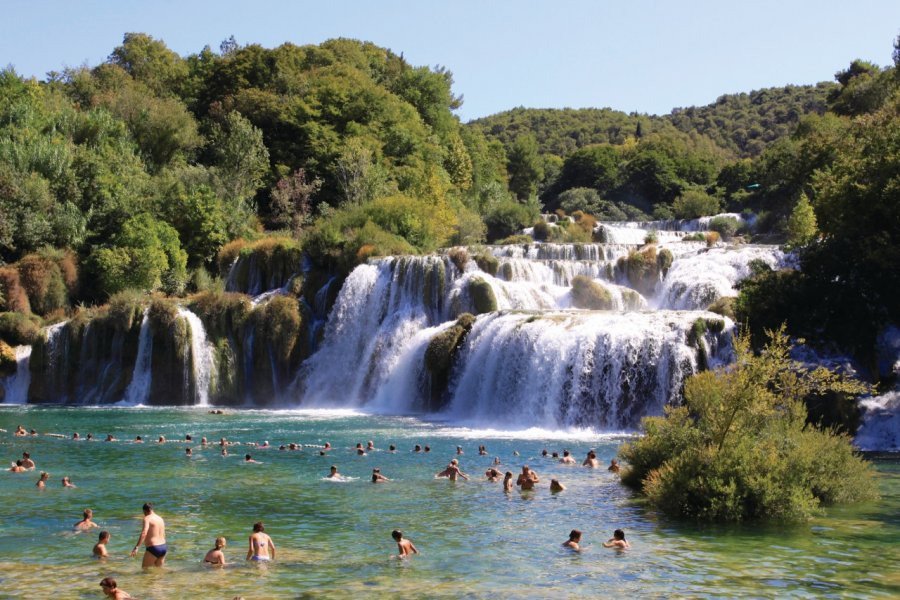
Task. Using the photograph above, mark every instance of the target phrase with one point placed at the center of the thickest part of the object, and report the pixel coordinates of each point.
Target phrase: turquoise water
(333, 539)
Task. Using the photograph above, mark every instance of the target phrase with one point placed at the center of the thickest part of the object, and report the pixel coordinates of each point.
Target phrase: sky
(629, 55)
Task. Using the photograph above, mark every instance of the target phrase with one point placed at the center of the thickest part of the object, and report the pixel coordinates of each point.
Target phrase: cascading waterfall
(880, 429)
(15, 387)
(139, 388)
(202, 362)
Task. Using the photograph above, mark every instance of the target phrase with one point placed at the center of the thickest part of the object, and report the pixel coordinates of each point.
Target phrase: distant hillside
(748, 123)
(562, 131)
(744, 124)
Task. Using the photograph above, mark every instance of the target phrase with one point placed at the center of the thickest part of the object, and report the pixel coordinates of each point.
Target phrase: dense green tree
(151, 62)
(693, 203)
(524, 167)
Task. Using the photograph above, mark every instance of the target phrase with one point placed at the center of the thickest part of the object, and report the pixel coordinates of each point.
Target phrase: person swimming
(574, 540)
(99, 549)
(377, 477)
(614, 466)
(20, 431)
(617, 541)
(27, 462)
(508, 482)
(567, 458)
(188, 452)
(591, 460)
(66, 483)
(333, 474)
(215, 556)
(262, 548)
(492, 474)
(249, 460)
(556, 486)
(17, 467)
(111, 589)
(42, 482)
(405, 547)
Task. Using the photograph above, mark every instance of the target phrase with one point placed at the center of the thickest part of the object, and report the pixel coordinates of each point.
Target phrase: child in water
(215, 556)
(573, 541)
(404, 547)
(100, 550)
(617, 541)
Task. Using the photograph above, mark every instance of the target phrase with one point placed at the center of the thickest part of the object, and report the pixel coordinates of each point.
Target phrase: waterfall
(15, 387)
(201, 359)
(139, 388)
(880, 429)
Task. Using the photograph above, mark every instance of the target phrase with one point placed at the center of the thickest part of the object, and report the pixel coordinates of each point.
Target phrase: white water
(202, 361)
(535, 363)
(15, 387)
(139, 388)
(881, 423)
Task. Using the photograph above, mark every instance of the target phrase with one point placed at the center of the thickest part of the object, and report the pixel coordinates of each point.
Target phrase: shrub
(459, 257)
(8, 363)
(642, 268)
(726, 227)
(223, 313)
(162, 314)
(588, 294)
(695, 203)
(515, 240)
(541, 231)
(723, 306)
(14, 296)
(19, 329)
(228, 254)
(664, 260)
(712, 238)
(694, 237)
(508, 218)
(652, 237)
(740, 447)
(482, 294)
(126, 308)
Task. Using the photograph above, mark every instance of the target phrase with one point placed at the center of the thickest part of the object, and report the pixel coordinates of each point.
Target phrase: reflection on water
(334, 540)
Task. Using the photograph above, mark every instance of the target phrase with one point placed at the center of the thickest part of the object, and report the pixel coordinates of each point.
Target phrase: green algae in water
(334, 539)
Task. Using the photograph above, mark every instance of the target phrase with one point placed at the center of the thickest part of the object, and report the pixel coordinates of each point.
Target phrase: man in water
(26, 461)
(249, 460)
(492, 474)
(334, 472)
(100, 550)
(614, 466)
(527, 478)
(617, 541)
(404, 547)
(86, 522)
(17, 467)
(153, 533)
(377, 477)
(453, 471)
(66, 483)
(567, 458)
(591, 461)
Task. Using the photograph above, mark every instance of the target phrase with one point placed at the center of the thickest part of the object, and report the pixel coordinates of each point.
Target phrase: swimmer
(377, 477)
(188, 452)
(327, 446)
(66, 483)
(265, 444)
(459, 450)
(111, 589)
(224, 451)
(100, 550)
(282, 447)
(138, 440)
(567, 458)
(90, 436)
(492, 474)
(453, 471)
(392, 449)
(497, 460)
(515, 452)
(20, 431)
(555, 455)
(591, 461)
(110, 438)
(188, 438)
(249, 460)
(617, 541)
(404, 547)
(333, 473)
(482, 451)
(17, 467)
(507, 482)
(33, 432)
(544, 453)
(203, 441)
(370, 446)
(574, 540)
(556, 486)
(42, 482)
(527, 479)
(293, 446)
(86, 522)
(215, 556)
(153, 534)
(614, 466)
(75, 436)
(427, 449)
(360, 451)
(26, 461)
(223, 442)
(260, 543)
(418, 448)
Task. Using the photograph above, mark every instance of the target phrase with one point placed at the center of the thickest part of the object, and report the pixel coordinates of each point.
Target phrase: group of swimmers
(261, 548)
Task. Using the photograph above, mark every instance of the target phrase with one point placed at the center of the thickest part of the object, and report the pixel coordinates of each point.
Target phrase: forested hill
(562, 131)
(748, 123)
(744, 124)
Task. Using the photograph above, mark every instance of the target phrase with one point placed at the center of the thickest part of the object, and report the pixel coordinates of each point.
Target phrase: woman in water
(215, 556)
(42, 482)
(261, 549)
(508, 482)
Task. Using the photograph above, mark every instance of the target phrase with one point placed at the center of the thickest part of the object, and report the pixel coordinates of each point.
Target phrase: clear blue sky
(631, 55)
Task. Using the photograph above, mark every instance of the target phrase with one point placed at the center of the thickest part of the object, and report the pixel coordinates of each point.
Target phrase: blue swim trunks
(158, 551)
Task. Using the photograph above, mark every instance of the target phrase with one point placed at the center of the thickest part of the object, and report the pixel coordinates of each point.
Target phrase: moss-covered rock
(631, 300)
(162, 314)
(482, 294)
(223, 313)
(126, 308)
(459, 257)
(641, 268)
(440, 354)
(519, 238)
(433, 285)
(266, 264)
(487, 262)
(664, 260)
(588, 294)
(506, 271)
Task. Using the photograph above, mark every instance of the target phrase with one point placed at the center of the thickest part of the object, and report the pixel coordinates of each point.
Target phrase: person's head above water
(147, 508)
(574, 535)
(258, 527)
(619, 535)
(397, 534)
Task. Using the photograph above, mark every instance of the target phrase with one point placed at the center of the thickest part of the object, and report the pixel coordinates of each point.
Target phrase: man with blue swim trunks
(153, 534)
